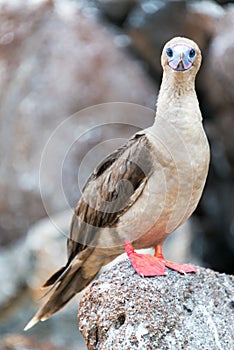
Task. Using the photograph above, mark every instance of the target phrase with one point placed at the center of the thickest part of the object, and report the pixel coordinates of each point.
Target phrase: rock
(121, 310)
(55, 59)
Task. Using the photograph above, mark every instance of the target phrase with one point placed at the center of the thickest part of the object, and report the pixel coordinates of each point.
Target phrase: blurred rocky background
(59, 57)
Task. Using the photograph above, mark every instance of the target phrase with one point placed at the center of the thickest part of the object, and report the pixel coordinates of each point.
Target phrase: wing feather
(113, 187)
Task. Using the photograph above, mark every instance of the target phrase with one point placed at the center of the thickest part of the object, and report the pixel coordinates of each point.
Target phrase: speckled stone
(122, 310)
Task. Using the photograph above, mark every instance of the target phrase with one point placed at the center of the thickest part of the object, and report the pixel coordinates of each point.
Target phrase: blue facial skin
(180, 57)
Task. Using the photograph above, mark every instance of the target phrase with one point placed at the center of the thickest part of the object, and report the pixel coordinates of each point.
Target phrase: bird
(139, 194)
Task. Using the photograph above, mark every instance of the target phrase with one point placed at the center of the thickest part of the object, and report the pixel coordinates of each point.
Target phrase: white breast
(181, 159)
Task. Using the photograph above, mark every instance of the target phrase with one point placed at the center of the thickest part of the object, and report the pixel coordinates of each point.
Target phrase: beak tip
(180, 66)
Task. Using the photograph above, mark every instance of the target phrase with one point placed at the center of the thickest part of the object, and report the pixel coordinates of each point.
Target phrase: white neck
(177, 100)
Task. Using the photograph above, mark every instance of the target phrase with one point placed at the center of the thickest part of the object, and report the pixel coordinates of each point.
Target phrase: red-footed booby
(143, 191)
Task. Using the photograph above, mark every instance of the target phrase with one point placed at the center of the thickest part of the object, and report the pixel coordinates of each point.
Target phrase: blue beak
(180, 57)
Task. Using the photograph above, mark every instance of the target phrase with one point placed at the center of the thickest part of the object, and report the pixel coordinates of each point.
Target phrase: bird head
(181, 55)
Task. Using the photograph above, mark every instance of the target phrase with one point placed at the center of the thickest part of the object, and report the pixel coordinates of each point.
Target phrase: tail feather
(71, 280)
(53, 279)
(56, 277)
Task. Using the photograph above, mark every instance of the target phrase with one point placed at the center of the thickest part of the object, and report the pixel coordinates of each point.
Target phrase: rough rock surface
(123, 311)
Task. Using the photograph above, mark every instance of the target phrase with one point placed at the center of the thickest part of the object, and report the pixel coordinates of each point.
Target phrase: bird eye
(169, 52)
(192, 53)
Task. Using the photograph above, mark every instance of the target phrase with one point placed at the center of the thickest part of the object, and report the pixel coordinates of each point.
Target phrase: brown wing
(110, 191)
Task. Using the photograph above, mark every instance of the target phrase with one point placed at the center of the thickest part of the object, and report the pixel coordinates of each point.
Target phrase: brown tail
(66, 282)
(56, 276)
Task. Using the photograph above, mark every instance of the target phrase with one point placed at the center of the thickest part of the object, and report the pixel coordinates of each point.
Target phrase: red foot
(148, 265)
(181, 268)
(145, 264)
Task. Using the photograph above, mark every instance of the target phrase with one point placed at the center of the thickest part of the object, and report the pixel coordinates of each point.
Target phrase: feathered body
(144, 190)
